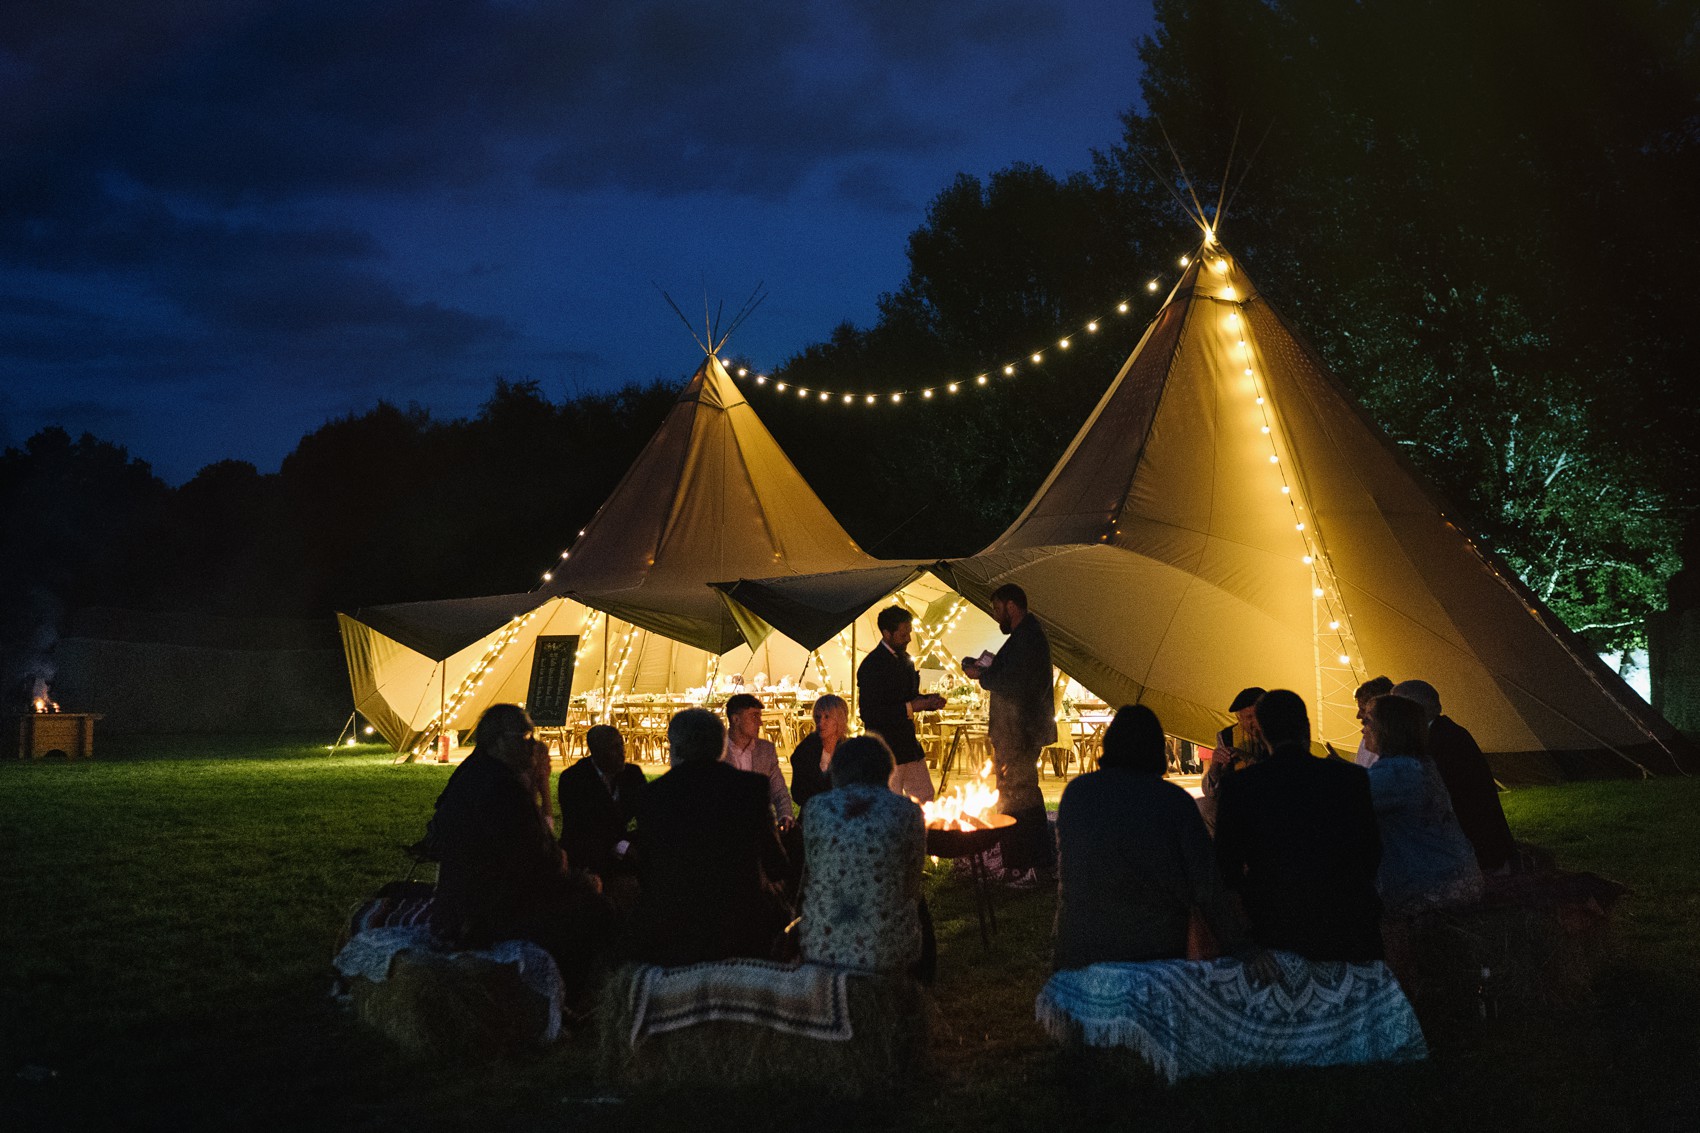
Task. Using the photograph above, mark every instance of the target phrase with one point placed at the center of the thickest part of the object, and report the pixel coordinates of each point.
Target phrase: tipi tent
(711, 497)
(1227, 517)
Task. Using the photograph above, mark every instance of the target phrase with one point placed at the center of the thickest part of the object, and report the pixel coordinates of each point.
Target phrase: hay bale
(452, 1005)
(891, 1018)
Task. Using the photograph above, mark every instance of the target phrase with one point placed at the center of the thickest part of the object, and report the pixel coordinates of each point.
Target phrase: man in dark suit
(888, 694)
(599, 796)
(711, 855)
(1296, 838)
(1469, 780)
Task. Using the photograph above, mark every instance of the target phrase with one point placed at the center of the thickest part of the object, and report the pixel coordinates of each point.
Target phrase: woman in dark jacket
(1134, 858)
(811, 761)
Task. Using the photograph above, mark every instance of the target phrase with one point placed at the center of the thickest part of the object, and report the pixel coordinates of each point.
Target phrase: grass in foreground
(169, 911)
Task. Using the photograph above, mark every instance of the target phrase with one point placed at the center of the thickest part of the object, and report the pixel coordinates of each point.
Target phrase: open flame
(967, 806)
(41, 702)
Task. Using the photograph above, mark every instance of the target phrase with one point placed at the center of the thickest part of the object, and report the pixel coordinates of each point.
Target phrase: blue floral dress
(863, 848)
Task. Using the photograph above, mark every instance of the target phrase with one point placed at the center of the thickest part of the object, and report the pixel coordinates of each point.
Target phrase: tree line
(1476, 213)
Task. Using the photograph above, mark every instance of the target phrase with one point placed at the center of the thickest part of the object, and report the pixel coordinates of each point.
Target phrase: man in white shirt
(748, 751)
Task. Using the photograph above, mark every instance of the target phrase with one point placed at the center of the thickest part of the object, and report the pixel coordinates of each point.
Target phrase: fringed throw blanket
(809, 1000)
(369, 955)
(1192, 1017)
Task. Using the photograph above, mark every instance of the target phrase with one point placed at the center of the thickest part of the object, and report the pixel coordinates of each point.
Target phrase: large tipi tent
(712, 496)
(1227, 517)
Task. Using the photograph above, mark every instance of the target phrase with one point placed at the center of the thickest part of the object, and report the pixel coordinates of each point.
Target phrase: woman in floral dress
(864, 846)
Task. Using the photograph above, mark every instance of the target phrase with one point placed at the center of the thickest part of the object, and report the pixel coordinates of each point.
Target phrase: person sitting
(865, 846)
(1296, 839)
(1134, 858)
(812, 757)
(1426, 862)
(710, 855)
(502, 877)
(599, 796)
(748, 750)
(1366, 692)
(1469, 781)
(1238, 746)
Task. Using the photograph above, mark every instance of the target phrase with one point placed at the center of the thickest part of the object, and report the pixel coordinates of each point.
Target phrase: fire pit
(43, 733)
(964, 823)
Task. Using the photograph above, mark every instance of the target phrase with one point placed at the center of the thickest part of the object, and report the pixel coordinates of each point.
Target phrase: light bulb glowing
(1307, 560)
(1185, 260)
(824, 396)
(1062, 343)
(1317, 593)
(1298, 527)
(1008, 371)
(1260, 400)
(848, 399)
(1092, 328)
(1345, 660)
(1036, 358)
(1266, 430)
(1273, 459)
(952, 387)
(761, 380)
(1229, 293)
(896, 397)
(801, 392)
(927, 393)
(870, 399)
(547, 577)
(981, 380)
(1233, 319)
(1285, 490)
(780, 387)
(1333, 625)
(1220, 267)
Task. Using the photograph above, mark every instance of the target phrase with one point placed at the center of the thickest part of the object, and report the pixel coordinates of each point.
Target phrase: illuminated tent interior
(711, 496)
(1227, 517)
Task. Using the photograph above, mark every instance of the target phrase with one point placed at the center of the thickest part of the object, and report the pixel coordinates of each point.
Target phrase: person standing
(1021, 722)
(1296, 838)
(888, 692)
(1376, 686)
(748, 750)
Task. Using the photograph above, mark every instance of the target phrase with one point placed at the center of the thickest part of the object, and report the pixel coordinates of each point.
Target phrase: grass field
(167, 912)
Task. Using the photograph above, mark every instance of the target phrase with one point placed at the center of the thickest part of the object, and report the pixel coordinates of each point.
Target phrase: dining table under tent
(1228, 517)
(711, 496)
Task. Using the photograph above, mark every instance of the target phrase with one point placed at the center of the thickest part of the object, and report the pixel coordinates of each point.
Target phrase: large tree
(1481, 215)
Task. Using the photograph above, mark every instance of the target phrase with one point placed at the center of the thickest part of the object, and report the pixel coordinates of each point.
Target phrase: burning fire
(41, 701)
(968, 806)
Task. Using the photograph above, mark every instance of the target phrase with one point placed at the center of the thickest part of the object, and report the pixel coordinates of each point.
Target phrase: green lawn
(167, 912)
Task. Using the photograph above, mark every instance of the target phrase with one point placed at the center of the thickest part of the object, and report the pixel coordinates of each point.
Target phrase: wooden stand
(41, 733)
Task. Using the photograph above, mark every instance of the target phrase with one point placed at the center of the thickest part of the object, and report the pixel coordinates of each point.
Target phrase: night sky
(223, 223)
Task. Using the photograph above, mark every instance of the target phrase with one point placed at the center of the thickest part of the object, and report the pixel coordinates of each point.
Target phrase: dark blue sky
(222, 223)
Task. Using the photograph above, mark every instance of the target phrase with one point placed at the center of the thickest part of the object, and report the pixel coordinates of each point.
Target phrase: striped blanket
(807, 1000)
(1193, 1017)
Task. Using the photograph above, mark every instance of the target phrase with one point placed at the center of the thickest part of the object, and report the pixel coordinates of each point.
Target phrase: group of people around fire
(722, 857)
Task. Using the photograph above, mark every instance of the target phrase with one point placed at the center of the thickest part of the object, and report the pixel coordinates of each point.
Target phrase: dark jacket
(710, 851)
(1022, 716)
(807, 779)
(1296, 838)
(885, 683)
(593, 818)
(1134, 862)
(1475, 796)
(499, 861)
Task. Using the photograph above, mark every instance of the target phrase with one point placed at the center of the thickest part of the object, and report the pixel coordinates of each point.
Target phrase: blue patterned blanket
(1192, 1017)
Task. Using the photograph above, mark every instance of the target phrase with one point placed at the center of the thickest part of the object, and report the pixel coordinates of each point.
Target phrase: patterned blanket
(809, 1000)
(369, 955)
(1192, 1017)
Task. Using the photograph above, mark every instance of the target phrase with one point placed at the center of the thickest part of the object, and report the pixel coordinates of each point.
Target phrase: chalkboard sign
(551, 681)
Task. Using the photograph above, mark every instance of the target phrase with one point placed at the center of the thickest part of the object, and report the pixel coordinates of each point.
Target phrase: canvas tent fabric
(711, 497)
(1228, 517)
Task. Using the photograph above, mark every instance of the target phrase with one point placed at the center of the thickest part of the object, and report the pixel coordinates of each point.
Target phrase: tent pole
(852, 679)
(607, 709)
